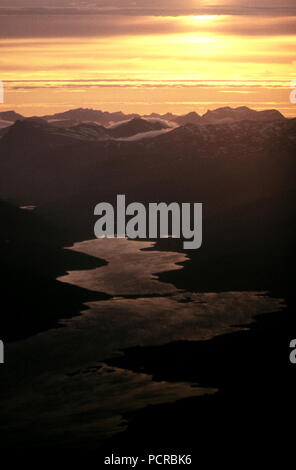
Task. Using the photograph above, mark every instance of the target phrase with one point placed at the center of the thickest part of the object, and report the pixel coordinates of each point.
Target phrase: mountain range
(230, 161)
(76, 116)
(38, 129)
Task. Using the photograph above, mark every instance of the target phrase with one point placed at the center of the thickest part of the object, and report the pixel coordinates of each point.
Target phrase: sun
(203, 18)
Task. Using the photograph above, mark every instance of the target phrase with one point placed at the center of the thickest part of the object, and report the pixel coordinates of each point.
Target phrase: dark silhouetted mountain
(229, 115)
(34, 133)
(166, 117)
(64, 122)
(10, 116)
(74, 117)
(190, 118)
(136, 126)
(234, 162)
(241, 113)
(7, 118)
(38, 133)
(90, 131)
(90, 115)
(169, 116)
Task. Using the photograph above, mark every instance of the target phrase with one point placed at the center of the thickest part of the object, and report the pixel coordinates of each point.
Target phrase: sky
(147, 56)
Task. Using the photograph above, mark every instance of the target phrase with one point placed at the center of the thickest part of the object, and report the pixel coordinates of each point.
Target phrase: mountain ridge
(106, 118)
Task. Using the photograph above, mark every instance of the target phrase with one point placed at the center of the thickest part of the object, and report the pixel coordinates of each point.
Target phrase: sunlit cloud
(143, 55)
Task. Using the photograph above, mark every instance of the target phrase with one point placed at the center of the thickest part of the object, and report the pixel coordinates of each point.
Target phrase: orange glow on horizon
(151, 69)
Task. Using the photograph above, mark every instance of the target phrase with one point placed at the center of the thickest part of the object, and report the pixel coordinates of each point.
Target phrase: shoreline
(33, 300)
(235, 363)
(238, 365)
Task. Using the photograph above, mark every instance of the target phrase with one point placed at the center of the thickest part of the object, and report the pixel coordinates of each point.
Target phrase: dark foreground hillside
(243, 172)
